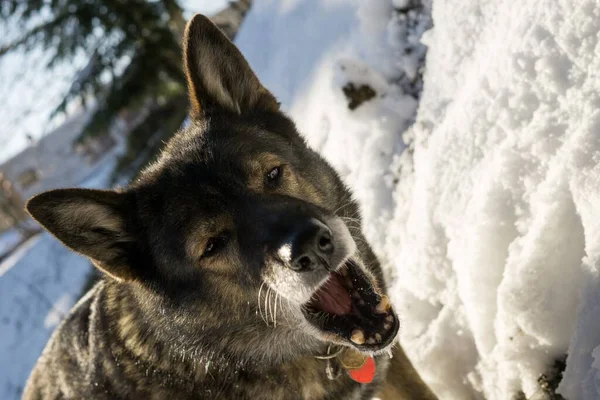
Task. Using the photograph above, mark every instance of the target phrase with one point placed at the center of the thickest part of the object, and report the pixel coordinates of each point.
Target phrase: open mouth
(348, 306)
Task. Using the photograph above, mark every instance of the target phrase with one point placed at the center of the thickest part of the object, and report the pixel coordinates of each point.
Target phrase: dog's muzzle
(317, 268)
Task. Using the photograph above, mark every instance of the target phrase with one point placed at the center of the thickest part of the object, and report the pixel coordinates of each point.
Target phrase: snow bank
(495, 236)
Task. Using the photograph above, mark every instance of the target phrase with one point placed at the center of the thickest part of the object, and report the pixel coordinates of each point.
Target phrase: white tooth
(387, 326)
(378, 337)
(371, 341)
(358, 336)
(389, 318)
(383, 306)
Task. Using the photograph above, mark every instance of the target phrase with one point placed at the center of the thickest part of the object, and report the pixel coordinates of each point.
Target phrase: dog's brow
(263, 160)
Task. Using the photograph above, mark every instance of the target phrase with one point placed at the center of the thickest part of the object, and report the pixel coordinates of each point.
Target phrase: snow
(494, 236)
(480, 199)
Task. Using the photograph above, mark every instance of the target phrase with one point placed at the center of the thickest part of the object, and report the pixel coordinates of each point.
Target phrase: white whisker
(266, 308)
(259, 301)
(275, 312)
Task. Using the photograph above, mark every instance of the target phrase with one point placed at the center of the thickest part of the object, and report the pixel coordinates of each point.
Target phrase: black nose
(312, 246)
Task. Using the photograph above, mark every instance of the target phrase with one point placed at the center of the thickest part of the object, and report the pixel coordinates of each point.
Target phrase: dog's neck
(195, 348)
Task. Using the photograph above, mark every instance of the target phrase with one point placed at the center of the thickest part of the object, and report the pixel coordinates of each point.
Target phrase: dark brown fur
(168, 322)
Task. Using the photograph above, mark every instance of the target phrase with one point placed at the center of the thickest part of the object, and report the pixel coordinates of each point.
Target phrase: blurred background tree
(133, 53)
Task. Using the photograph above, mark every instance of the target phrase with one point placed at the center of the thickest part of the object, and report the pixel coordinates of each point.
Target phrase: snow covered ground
(483, 210)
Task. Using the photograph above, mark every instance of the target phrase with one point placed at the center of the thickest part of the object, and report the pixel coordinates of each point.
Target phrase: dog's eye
(273, 176)
(213, 245)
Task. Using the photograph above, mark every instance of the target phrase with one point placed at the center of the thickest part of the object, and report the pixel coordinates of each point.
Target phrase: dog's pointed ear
(90, 222)
(218, 75)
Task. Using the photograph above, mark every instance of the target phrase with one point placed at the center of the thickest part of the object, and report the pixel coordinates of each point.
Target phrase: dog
(234, 266)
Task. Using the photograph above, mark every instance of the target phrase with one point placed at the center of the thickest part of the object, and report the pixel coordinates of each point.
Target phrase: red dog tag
(365, 373)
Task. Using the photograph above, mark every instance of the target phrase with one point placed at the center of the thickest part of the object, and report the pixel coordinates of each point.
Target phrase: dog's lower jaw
(350, 309)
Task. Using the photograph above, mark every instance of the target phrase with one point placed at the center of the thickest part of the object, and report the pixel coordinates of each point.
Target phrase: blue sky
(29, 93)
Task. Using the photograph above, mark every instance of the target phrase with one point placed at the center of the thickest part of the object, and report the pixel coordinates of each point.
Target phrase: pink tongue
(333, 297)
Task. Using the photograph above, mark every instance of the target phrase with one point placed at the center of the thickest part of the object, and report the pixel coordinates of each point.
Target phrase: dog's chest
(303, 382)
(267, 387)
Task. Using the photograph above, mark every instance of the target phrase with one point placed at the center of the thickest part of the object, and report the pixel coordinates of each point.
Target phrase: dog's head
(238, 222)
